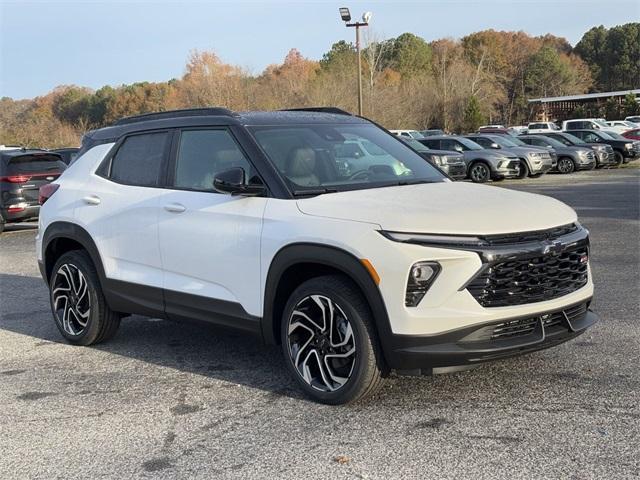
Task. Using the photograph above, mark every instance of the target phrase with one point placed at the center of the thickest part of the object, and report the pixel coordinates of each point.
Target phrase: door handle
(175, 208)
(92, 200)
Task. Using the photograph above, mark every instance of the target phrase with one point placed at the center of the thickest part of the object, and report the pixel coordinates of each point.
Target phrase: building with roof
(560, 108)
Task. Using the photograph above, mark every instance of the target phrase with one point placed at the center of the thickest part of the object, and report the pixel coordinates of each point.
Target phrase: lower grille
(526, 326)
(532, 279)
(457, 170)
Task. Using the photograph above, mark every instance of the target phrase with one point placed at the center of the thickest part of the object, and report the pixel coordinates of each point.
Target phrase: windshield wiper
(314, 191)
(413, 182)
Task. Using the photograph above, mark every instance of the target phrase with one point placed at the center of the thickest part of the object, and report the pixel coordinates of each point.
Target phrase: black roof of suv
(214, 116)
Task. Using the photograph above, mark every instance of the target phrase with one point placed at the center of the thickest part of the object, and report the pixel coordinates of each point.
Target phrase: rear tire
(78, 305)
(330, 342)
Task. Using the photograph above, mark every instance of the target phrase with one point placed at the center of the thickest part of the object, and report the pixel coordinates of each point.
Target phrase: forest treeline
(407, 83)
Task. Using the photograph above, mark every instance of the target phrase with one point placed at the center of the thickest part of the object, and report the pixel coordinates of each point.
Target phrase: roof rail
(335, 110)
(187, 112)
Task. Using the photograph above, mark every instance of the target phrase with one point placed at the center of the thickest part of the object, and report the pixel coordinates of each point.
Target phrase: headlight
(583, 153)
(439, 160)
(600, 148)
(628, 146)
(421, 277)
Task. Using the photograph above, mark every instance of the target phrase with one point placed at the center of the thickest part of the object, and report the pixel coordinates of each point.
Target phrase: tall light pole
(346, 17)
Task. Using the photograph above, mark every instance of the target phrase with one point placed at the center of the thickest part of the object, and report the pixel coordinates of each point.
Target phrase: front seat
(301, 165)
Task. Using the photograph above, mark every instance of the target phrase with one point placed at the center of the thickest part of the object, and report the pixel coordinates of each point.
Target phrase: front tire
(565, 165)
(78, 305)
(479, 173)
(329, 341)
(619, 158)
(524, 170)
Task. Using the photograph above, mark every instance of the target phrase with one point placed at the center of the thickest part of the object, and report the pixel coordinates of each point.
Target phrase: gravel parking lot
(165, 400)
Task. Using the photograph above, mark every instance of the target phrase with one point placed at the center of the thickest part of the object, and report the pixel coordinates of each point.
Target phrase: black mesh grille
(530, 280)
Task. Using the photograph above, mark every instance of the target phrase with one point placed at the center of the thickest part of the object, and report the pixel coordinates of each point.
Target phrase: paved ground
(168, 401)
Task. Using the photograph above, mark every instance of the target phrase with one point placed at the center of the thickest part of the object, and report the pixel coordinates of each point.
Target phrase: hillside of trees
(408, 83)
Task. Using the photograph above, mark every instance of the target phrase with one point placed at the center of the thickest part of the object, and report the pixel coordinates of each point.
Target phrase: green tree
(409, 55)
(630, 105)
(613, 56)
(340, 53)
(473, 116)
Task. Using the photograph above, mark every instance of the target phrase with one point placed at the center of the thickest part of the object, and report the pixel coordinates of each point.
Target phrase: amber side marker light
(371, 270)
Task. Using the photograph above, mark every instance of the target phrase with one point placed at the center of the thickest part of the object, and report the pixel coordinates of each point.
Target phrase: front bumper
(463, 348)
(605, 158)
(510, 169)
(585, 164)
(455, 171)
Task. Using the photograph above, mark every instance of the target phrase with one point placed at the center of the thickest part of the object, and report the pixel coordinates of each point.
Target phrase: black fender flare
(335, 258)
(76, 233)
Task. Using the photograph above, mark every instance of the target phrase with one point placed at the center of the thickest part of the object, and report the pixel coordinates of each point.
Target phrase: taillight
(15, 178)
(46, 191)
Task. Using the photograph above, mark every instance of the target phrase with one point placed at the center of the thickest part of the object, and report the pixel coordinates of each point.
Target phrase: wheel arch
(62, 237)
(298, 262)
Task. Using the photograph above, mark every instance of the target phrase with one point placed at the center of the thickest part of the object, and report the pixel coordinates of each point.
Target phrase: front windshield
(553, 142)
(321, 158)
(416, 145)
(569, 139)
(517, 142)
(470, 144)
(615, 135)
(504, 142)
(606, 135)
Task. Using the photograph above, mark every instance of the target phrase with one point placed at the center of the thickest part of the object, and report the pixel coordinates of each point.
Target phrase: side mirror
(496, 146)
(233, 181)
(458, 148)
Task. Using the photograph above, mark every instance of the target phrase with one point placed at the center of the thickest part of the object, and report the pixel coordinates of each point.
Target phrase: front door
(209, 241)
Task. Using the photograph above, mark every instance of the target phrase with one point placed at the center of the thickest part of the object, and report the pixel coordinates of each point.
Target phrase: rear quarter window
(140, 159)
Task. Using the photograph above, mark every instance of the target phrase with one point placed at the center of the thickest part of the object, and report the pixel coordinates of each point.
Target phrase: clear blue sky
(45, 43)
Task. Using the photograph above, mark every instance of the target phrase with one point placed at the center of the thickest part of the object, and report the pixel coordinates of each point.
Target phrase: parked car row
(496, 152)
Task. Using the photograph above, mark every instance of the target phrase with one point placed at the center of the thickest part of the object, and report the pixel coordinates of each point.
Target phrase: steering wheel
(361, 174)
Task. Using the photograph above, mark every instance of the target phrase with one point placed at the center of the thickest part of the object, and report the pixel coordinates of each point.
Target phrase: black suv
(22, 173)
(623, 148)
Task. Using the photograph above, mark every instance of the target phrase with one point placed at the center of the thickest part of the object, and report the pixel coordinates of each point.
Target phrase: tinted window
(204, 153)
(139, 160)
(485, 142)
(32, 164)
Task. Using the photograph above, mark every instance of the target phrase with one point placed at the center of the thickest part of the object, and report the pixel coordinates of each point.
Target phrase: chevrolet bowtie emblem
(552, 248)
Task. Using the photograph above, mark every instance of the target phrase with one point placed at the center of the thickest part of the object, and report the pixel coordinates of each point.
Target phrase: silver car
(534, 161)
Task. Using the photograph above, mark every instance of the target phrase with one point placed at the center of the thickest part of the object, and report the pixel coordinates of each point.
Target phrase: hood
(447, 208)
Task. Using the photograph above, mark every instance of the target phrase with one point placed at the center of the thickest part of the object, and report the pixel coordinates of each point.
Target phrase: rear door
(119, 208)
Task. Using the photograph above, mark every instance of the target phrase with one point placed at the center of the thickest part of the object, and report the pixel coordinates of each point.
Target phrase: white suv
(250, 221)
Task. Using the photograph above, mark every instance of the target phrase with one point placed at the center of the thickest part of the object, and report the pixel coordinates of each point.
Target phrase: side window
(139, 159)
(483, 142)
(451, 145)
(204, 153)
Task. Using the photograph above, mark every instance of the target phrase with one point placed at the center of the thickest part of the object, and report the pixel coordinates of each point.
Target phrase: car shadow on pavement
(195, 348)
